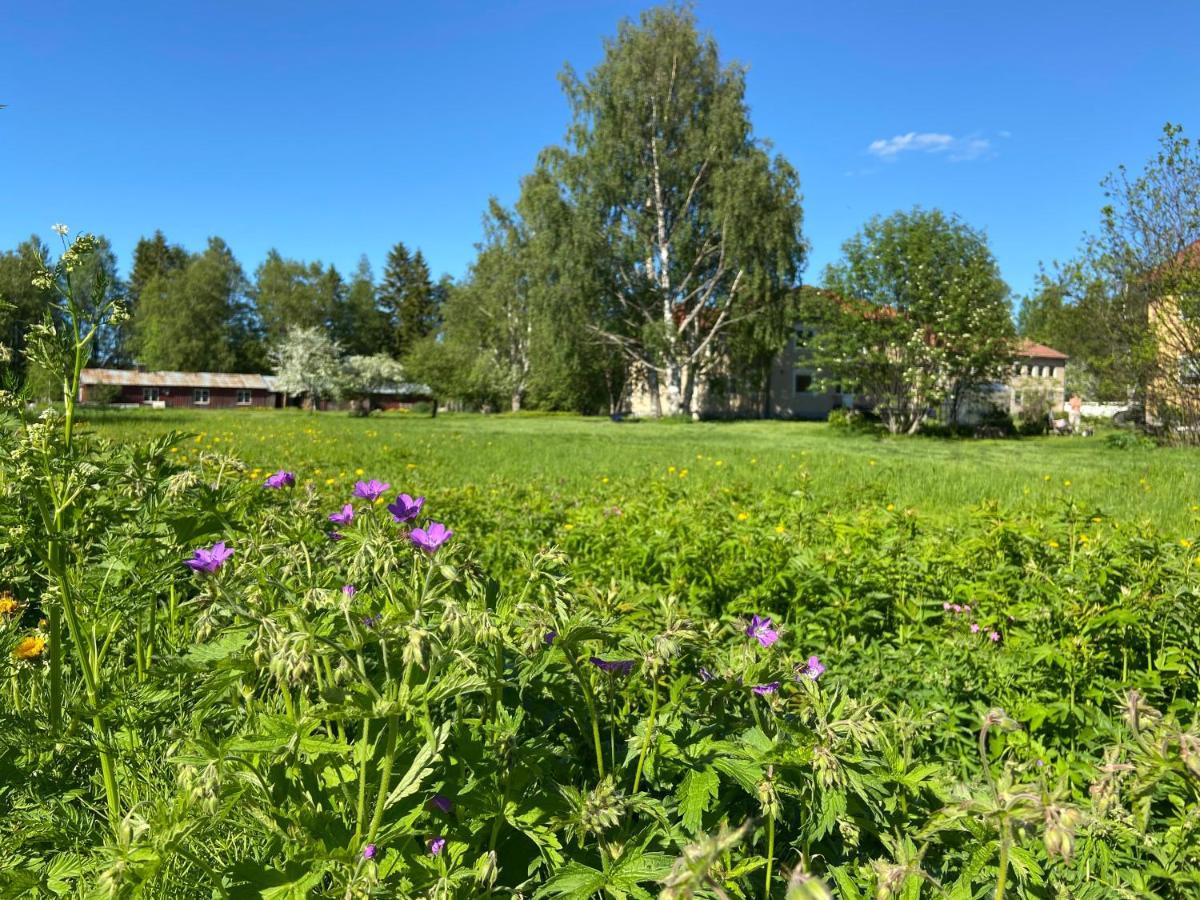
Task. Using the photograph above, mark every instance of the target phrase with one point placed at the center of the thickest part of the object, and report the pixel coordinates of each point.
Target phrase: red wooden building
(201, 390)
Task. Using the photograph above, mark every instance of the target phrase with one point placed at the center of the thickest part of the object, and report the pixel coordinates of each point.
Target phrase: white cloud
(957, 149)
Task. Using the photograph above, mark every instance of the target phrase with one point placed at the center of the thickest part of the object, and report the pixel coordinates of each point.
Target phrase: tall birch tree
(691, 209)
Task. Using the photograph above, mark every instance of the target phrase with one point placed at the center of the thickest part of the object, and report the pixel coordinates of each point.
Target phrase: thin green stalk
(591, 707)
(1002, 876)
(770, 854)
(385, 776)
(91, 686)
(56, 666)
(637, 776)
(360, 813)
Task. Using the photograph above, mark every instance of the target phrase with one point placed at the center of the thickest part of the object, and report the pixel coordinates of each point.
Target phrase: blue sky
(332, 129)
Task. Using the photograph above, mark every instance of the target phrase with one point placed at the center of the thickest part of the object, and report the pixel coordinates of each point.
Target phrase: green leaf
(574, 881)
(421, 766)
(697, 791)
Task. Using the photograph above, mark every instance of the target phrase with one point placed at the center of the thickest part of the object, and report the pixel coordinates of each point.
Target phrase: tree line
(198, 311)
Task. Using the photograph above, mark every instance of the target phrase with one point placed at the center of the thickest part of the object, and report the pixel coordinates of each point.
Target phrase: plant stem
(385, 776)
(1002, 876)
(637, 776)
(364, 745)
(591, 707)
(770, 854)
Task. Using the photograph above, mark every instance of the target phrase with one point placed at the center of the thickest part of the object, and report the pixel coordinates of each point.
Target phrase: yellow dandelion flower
(359, 472)
(779, 529)
(719, 462)
(9, 606)
(568, 526)
(683, 473)
(870, 462)
(891, 507)
(1053, 544)
(1083, 539)
(1067, 483)
(743, 516)
(604, 480)
(670, 470)
(411, 466)
(330, 481)
(1184, 543)
(174, 449)
(30, 648)
(1045, 478)
(1097, 519)
(753, 462)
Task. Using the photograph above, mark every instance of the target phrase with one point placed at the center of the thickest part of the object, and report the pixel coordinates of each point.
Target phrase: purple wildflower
(946, 607)
(974, 628)
(614, 666)
(429, 539)
(814, 669)
(760, 629)
(345, 517)
(763, 689)
(994, 636)
(956, 607)
(549, 637)
(705, 675)
(404, 508)
(436, 845)
(336, 535)
(442, 802)
(370, 490)
(280, 479)
(209, 559)
(368, 851)
(373, 621)
(349, 590)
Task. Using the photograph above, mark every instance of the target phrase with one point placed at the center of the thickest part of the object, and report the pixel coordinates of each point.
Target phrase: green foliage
(264, 726)
(913, 316)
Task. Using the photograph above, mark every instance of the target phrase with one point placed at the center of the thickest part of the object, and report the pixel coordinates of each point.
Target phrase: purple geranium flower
(209, 559)
(705, 675)
(762, 689)
(615, 666)
(815, 668)
(974, 628)
(431, 538)
(370, 490)
(368, 851)
(373, 621)
(280, 479)
(349, 590)
(442, 802)
(404, 508)
(994, 637)
(760, 629)
(436, 845)
(336, 535)
(549, 637)
(345, 517)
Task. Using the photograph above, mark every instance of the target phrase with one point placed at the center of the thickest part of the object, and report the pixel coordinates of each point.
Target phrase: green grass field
(935, 478)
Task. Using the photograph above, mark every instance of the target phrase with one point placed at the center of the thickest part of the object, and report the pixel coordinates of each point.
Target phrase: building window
(1189, 370)
(803, 382)
(200, 396)
(243, 396)
(149, 394)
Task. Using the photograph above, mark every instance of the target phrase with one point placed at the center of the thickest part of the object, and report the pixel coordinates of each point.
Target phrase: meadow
(651, 659)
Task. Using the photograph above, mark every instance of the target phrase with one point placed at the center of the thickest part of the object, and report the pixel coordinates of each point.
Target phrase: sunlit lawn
(934, 477)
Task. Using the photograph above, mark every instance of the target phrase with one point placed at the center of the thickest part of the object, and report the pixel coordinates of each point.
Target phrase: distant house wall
(1036, 372)
(179, 397)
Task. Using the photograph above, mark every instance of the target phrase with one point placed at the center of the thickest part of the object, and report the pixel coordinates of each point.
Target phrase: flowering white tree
(307, 361)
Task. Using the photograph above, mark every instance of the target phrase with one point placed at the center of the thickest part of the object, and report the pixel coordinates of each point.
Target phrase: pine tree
(358, 324)
(407, 298)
